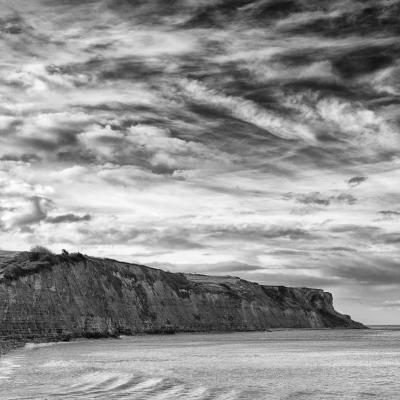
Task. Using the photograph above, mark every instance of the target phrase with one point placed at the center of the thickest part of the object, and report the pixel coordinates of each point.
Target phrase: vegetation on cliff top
(28, 262)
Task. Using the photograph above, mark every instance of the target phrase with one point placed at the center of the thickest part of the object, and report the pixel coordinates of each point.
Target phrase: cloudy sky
(256, 138)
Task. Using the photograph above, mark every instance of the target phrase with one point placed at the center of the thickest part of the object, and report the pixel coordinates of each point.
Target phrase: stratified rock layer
(80, 296)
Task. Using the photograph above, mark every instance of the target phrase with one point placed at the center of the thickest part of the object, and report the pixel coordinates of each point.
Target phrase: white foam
(94, 380)
(120, 381)
(7, 367)
(59, 364)
(228, 396)
(150, 383)
(198, 393)
(31, 346)
(169, 393)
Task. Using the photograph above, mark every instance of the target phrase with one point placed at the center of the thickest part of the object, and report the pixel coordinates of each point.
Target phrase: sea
(282, 364)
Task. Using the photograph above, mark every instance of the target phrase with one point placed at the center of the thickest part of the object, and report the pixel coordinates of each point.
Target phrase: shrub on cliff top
(40, 250)
(41, 253)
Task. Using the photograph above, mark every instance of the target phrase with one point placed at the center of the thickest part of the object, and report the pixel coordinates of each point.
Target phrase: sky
(254, 138)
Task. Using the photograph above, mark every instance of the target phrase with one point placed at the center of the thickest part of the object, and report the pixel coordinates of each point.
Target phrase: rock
(81, 296)
(7, 345)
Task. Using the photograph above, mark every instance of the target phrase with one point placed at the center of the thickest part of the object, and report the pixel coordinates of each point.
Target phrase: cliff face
(78, 296)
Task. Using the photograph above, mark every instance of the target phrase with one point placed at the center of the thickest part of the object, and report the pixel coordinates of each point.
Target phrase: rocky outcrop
(79, 296)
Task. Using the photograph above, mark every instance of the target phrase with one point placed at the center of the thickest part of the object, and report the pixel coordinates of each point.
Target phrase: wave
(31, 346)
(103, 384)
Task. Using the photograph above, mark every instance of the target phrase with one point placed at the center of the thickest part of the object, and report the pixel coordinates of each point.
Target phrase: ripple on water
(284, 365)
(9, 365)
(104, 385)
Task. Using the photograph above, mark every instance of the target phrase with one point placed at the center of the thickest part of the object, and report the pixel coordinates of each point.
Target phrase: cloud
(356, 180)
(72, 173)
(366, 132)
(12, 25)
(248, 111)
(33, 212)
(358, 18)
(228, 135)
(310, 198)
(390, 238)
(12, 186)
(318, 199)
(364, 60)
(360, 230)
(389, 213)
(228, 267)
(49, 131)
(7, 122)
(294, 280)
(346, 198)
(165, 239)
(391, 303)
(368, 269)
(148, 146)
(68, 218)
(256, 232)
(25, 157)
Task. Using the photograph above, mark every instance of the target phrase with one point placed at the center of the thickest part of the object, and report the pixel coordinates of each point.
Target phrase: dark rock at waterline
(7, 345)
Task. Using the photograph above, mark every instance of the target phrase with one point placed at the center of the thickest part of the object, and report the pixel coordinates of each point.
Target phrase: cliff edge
(63, 296)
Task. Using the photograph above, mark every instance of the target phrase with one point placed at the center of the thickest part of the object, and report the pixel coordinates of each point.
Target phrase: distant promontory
(57, 297)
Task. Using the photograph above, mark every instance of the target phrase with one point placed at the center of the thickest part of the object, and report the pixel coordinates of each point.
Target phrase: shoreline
(9, 345)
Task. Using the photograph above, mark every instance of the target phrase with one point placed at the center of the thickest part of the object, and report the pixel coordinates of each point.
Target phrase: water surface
(295, 364)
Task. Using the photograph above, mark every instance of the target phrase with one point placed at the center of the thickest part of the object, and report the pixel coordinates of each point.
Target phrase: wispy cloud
(257, 138)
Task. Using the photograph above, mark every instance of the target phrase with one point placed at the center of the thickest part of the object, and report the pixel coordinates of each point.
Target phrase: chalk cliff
(81, 296)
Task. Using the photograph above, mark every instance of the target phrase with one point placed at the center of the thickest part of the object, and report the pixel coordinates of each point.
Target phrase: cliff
(80, 296)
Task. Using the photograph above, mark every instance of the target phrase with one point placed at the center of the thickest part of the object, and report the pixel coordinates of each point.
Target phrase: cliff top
(14, 264)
